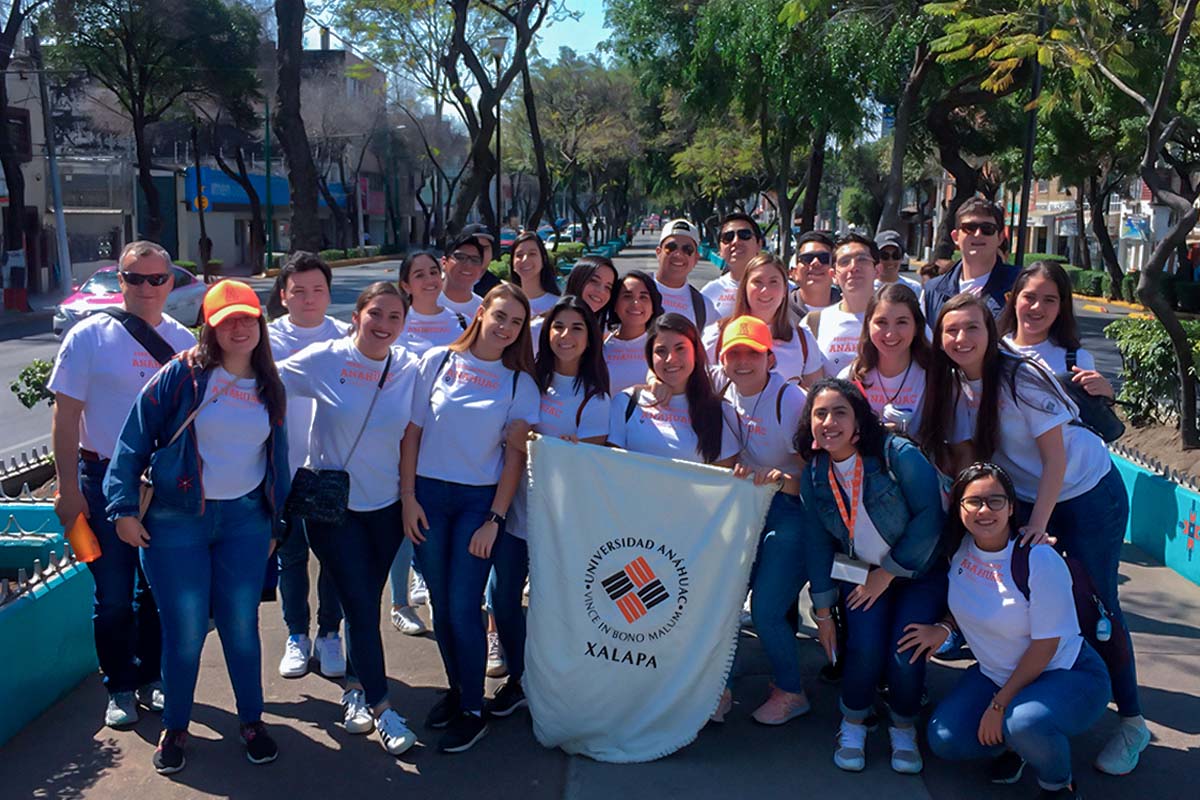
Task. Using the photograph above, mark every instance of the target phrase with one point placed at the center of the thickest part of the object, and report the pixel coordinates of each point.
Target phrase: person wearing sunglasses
(100, 369)
(891, 256)
(739, 241)
(838, 328)
(812, 273)
(978, 233)
(462, 266)
(678, 253)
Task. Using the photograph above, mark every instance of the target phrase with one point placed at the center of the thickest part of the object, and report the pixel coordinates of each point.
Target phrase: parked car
(574, 232)
(546, 232)
(507, 237)
(102, 290)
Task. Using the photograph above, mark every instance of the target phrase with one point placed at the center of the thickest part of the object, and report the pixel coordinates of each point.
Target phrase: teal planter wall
(1164, 519)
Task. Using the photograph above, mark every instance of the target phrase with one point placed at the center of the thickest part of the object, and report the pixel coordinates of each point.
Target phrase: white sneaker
(906, 755)
(296, 653)
(851, 750)
(746, 619)
(418, 592)
(497, 667)
(331, 659)
(356, 717)
(394, 733)
(407, 622)
(1120, 756)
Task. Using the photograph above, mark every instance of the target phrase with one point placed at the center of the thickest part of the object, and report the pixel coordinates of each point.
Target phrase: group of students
(915, 465)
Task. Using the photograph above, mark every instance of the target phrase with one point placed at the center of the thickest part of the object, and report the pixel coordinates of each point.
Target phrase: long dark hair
(955, 530)
(704, 406)
(1064, 331)
(266, 378)
(592, 377)
(872, 436)
(546, 276)
(518, 355)
(656, 306)
(868, 354)
(582, 272)
(406, 265)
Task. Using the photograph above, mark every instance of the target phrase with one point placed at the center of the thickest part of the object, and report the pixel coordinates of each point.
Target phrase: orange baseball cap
(230, 299)
(747, 331)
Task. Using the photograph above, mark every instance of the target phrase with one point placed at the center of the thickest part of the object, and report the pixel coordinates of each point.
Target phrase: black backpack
(1095, 413)
(1103, 631)
(698, 307)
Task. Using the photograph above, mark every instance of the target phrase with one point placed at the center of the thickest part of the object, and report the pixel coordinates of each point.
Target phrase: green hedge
(1032, 257)
(569, 251)
(1150, 390)
(500, 268)
(194, 268)
(1129, 286)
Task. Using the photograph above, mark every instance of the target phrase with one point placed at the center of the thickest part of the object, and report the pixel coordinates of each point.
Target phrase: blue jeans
(1091, 528)
(357, 554)
(456, 579)
(124, 615)
(214, 561)
(293, 587)
(511, 559)
(777, 578)
(871, 639)
(1038, 723)
(398, 574)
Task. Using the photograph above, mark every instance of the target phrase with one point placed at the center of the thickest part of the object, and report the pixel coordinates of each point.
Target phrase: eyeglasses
(855, 261)
(996, 502)
(137, 278)
(889, 255)
(687, 249)
(466, 258)
(818, 256)
(977, 228)
(745, 234)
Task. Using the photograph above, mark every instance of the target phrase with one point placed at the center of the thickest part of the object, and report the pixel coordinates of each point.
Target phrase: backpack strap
(698, 309)
(779, 403)
(813, 320)
(631, 406)
(516, 377)
(143, 334)
(579, 411)
(803, 346)
(1019, 567)
(1072, 359)
(462, 321)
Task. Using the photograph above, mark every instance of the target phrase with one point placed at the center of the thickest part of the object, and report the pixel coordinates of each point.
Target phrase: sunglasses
(687, 249)
(996, 502)
(810, 258)
(466, 258)
(977, 228)
(745, 234)
(137, 278)
(889, 254)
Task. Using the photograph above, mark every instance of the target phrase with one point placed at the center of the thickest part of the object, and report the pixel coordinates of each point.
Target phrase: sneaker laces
(852, 735)
(493, 648)
(354, 699)
(389, 723)
(903, 738)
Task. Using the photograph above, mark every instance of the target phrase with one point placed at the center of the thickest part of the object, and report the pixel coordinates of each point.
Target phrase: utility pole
(267, 157)
(1030, 141)
(60, 224)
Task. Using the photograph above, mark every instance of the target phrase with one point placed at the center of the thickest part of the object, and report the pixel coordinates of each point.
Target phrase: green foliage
(1150, 390)
(30, 384)
(568, 251)
(190, 266)
(1129, 287)
(1032, 257)
(501, 267)
(333, 254)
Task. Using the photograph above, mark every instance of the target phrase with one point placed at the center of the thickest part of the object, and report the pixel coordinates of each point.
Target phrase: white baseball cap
(680, 227)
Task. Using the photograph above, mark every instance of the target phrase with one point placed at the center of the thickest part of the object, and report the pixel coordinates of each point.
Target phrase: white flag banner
(638, 570)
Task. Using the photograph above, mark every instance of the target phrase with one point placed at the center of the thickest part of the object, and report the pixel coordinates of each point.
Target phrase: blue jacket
(163, 405)
(940, 289)
(902, 497)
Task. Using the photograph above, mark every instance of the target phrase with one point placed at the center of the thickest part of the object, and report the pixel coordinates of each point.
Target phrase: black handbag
(322, 495)
(1095, 412)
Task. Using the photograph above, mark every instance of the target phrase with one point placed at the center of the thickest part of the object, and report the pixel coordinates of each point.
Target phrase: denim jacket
(902, 497)
(175, 470)
(940, 289)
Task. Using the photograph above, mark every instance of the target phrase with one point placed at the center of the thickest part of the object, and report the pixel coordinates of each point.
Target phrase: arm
(64, 432)
(818, 548)
(1054, 469)
(410, 510)
(1033, 662)
(918, 483)
(510, 478)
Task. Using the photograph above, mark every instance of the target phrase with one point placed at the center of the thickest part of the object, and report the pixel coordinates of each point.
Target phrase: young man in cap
(812, 272)
(487, 248)
(978, 232)
(678, 253)
(101, 368)
(740, 239)
(891, 256)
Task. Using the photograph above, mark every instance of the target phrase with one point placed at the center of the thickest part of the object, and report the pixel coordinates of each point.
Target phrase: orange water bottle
(83, 540)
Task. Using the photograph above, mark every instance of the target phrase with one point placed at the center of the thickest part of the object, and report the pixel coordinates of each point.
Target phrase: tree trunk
(812, 180)
(889, 220)
(535, 134)
(289, 126)
(340, 220)
(152, 227)
(1098, 199)
(480, 173)
(1081, 243)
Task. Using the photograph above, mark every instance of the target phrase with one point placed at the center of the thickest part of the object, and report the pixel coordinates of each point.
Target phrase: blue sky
(580, 35)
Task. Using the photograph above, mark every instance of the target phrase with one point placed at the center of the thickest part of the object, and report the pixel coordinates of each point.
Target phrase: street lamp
(497, 43)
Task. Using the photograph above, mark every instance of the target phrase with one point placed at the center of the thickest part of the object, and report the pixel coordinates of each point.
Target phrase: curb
(345, 262)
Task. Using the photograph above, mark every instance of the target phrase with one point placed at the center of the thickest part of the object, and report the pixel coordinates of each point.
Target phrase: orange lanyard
(850, 519)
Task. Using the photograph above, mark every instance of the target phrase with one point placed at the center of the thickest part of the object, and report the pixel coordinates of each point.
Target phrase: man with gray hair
(103, 363)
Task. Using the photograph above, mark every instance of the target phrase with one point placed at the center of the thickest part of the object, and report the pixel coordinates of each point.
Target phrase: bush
(332, 255)
(30, 384)
(190, 266)
(568, 251)
(1150, 390)
(500, 268)
(1129, 286)
(1188, 294)
(371, 250)
(1032, 257)
(1075, 274)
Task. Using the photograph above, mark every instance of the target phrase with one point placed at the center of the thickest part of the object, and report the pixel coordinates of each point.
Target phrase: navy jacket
(163, 405)
(940, 289)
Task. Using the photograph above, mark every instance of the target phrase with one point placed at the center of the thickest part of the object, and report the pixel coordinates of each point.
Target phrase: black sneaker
(168, 758)
(445, 710)
(508, 699)
(1006, 768)
(260, 747)
(1068, 792)
(463, 733)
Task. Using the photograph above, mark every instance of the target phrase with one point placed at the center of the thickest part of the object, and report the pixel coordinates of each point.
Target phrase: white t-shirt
(342, 381)
(680, 301)
(837, 335)
(464, 410)
(869, 544)
(626, 360)
(423, 331)
(974, 285)
(287, 339)
(467, 309)
(768, 423)
(791, 359)
(103, 367)
(722, 292)
(909, 282)
(1042, 407)
(231, 435)
(904, 391)
(666, 430)
(996, 619)
(1052, 356)
(540, 305)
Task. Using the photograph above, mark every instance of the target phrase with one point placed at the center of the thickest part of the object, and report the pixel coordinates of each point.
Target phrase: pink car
(102, 291)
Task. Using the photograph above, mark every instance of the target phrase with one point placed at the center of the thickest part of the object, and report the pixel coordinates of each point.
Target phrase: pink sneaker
(780, 707)
(724, 707)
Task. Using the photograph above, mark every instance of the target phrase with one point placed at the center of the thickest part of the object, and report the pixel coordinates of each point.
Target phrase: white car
(102, 290)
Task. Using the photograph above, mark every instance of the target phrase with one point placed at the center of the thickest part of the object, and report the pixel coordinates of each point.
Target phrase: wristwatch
(496, 518)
